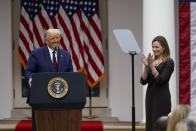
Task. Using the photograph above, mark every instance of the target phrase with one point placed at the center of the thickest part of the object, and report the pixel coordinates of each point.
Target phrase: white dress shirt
(51, 53)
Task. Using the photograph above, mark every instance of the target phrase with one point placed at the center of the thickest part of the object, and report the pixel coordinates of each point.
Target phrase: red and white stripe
(80, 36)
(187, 53)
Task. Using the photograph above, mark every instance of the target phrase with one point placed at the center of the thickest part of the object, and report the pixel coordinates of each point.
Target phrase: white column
(6, 72)
(158, 19)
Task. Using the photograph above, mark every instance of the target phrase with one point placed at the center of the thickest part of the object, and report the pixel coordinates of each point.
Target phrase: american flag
(187, 52)
(80, 26)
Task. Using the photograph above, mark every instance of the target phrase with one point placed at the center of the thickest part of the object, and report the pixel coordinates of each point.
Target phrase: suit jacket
(40, 61)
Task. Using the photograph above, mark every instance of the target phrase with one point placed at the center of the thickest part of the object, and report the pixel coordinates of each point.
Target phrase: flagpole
(90, 116)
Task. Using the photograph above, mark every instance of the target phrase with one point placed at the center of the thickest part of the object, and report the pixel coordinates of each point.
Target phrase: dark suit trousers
(33, 120)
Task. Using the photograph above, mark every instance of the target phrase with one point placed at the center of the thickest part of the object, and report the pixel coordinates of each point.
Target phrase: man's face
(53, 40)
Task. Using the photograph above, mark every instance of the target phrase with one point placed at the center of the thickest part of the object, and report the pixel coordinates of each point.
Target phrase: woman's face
(157, 49)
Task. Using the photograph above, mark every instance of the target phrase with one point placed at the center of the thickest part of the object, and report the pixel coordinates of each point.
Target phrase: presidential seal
(57, 87)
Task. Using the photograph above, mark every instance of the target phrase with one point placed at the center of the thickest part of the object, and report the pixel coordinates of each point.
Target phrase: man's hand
(29, 82)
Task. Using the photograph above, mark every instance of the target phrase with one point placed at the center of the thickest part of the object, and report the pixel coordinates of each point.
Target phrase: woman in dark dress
(157, 72)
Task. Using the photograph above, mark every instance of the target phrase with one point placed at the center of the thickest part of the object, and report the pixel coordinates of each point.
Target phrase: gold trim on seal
(56, 84)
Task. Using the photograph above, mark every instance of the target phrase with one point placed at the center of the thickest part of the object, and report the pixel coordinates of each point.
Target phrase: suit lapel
(48, 60)
(60, 61)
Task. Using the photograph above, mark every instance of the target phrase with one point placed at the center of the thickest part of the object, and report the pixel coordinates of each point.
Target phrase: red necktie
(54, 61)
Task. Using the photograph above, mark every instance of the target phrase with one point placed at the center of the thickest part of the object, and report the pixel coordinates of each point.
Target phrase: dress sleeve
(165, 74)
(144, 82)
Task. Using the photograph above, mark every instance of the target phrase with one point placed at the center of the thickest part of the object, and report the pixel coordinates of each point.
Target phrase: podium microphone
(56, 49)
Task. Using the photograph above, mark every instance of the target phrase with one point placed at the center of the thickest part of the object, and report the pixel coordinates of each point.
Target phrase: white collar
(50, 50)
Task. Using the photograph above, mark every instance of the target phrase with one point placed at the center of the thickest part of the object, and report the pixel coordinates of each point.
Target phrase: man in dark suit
(48, 59)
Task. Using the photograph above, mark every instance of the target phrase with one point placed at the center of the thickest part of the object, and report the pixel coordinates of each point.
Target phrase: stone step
(19, 114)
(9, 125)
(101, 114)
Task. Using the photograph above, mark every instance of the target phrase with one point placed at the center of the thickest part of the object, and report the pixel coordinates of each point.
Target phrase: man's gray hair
(51, 31)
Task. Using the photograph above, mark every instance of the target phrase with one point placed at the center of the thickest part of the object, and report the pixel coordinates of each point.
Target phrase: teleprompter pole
(133, 90)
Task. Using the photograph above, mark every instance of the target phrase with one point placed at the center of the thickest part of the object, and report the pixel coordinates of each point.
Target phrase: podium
(58, 99)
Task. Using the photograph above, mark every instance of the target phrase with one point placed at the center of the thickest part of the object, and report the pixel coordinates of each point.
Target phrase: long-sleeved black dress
(158, 98)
